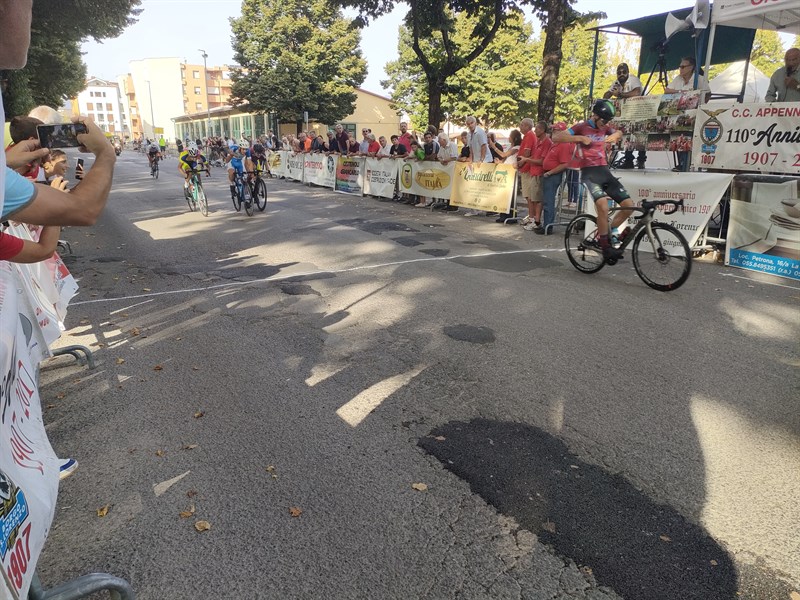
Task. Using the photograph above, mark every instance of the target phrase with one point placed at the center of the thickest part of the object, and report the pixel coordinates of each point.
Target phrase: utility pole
(208, 106)
(152, 118)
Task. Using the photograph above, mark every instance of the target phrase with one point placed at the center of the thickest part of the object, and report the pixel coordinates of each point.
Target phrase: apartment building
(101, 101)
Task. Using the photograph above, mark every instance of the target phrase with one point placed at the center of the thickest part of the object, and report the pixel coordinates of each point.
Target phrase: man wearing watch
(784, 85)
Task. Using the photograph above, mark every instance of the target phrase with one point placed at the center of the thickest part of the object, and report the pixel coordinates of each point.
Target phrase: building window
(213, 90)
(197, 91)
(108, 107)
(196, 74)
(198, 105)
(100, 117)
(110, 118)
(89, 106)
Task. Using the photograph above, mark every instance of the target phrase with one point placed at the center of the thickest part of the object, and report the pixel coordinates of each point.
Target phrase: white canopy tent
(779, 15)
(729, 83)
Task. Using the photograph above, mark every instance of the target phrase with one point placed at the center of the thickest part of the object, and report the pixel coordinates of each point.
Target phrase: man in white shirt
(386, 148)
(627, 86)
(478, 142)
(684, 82)
(448, 150)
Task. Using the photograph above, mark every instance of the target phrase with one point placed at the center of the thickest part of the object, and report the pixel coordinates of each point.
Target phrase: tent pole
(710, 47)
(740, 99)
(594, 64)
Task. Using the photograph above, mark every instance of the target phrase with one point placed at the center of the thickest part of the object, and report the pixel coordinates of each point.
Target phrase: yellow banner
(483, 186)
(158, 130)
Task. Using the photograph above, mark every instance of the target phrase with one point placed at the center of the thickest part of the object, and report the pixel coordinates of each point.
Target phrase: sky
(204, 24)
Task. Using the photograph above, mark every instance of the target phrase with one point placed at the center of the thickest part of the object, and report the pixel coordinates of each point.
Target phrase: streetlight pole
(208, 106)
(152, 118)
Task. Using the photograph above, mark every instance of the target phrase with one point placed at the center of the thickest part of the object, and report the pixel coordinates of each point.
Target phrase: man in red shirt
(543, 144)
(593, 135)
(524, 165)
(553, 167)
(405, 135)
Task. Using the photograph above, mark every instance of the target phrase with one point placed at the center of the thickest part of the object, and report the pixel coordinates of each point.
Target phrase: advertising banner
(350, 175)
(761, 138)
(320, 169)
(427, 178)
(764, 226)
(701, 193)
(380, 176)
(277, 163)
(294, 166)
(28, 466)
(483, 186)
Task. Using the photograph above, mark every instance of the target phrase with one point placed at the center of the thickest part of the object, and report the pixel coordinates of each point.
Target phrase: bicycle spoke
(662, 257)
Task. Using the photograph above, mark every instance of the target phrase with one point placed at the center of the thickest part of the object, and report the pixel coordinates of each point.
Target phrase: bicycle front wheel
(201, 198)
(236, 196)
(664, 261)
(581, 244)
(260, 194)
(155, 170)
(247, 199)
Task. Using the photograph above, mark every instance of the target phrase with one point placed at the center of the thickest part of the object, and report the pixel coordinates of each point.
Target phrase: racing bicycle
(242, 194)
(259, 186)
(197, 197)
(661, 255)
(154, 168)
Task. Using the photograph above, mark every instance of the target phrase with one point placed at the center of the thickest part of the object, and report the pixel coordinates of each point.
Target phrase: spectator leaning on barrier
(17, 250)
(478, 149)
(508, 157)
(555, 163)
(627, 86)
(543, 143)
(385, 149)
(784, 85)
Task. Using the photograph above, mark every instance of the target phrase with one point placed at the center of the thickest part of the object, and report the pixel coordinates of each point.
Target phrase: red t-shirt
(540, 152)
(10, 246)
(594, 155)
(559, 154)
(529, 142)
(406, 139)
(373, 147)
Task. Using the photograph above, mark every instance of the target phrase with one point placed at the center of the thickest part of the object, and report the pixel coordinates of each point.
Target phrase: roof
(779, 15)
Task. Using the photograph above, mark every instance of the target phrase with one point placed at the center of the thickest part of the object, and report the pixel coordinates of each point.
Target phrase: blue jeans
(549, 189)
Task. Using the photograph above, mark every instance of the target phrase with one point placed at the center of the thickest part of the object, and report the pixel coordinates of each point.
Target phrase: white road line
(740, 276)
(309, 274)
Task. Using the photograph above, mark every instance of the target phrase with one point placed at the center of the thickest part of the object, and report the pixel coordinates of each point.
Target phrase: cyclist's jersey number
(187, 163)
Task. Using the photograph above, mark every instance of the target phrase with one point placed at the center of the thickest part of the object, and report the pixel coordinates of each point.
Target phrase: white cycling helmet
(154, 148)
(191, 148)
(244, 144)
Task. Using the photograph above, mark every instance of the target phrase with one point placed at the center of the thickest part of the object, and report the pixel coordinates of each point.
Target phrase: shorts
(601, 184)
(525, 183)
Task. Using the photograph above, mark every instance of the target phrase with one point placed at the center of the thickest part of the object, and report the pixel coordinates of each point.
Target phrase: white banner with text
(380, 176)
(320, 169)
(762, 138)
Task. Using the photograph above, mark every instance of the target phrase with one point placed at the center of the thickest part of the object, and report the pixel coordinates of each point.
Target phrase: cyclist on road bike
(153, 153)
(592, 136)
(259, 156)
(190, 160)
(239, 162)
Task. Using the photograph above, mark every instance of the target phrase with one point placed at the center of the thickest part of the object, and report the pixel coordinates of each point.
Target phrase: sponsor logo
(711, 132)
(433, 179)
(406, 176)
(13, 512)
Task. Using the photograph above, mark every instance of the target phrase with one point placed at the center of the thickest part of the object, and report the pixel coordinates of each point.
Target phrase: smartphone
(60, 136)
(79, 169)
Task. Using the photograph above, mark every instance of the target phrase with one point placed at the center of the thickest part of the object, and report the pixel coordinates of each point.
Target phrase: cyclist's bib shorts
(601, 183)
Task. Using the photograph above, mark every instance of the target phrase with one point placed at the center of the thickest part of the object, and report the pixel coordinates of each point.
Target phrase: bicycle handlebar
(651, 205)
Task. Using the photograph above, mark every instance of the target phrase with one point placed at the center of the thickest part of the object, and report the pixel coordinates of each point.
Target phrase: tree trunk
(551, 59)
(435, 114)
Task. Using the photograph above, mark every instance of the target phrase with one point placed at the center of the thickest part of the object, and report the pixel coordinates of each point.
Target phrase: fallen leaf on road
(198, 414)
(794, 596)
(574, 467)
(145, 289)
(195, 368)
(179, 338)
(190, 447)
(665, 538)
(83, 321)
(50, 406)
(294, 511)
(549, 526)
(202, 526)
(120, 361)
(187, 513)
(159, 453)
(158, 368)
(134, 331)
(60, 395)
(440, 438)
(102, 512)
(271, 470)
(713, 563)
(191, 493)
(420, 487)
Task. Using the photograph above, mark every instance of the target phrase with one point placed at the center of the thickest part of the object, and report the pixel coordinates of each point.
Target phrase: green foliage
(296, 56)
(55, 69)
(768, 52)
(572, 90)
(499, 86)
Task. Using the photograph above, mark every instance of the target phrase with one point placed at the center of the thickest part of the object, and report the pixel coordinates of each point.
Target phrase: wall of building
(159, 94)
(101, 101)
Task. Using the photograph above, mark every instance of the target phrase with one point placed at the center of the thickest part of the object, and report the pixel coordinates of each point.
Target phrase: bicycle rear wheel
(260, 194)
(663, 262)
(247, 199)
(201, 198)
(189, 199)
(580, 242)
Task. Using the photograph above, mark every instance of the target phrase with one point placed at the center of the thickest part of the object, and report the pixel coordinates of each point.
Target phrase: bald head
(792, 59)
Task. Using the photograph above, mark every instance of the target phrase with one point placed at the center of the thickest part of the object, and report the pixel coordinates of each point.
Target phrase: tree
(296, 56)
(499, 86)
(55, 69)
(767, 53)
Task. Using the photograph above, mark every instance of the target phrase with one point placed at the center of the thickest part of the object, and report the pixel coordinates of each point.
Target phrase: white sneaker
(66, 467)
(530, 226)
(525, 221)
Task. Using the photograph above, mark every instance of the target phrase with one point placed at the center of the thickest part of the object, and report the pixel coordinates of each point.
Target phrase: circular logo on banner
(711, 131)
(405, 176)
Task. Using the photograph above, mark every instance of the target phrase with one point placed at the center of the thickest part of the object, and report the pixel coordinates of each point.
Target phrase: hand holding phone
(60, 136)
(79, 169)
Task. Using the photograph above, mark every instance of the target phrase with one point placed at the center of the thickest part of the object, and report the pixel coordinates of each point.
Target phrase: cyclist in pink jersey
(593, 135)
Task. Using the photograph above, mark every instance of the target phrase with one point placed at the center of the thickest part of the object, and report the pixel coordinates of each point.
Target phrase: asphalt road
(368, 400)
